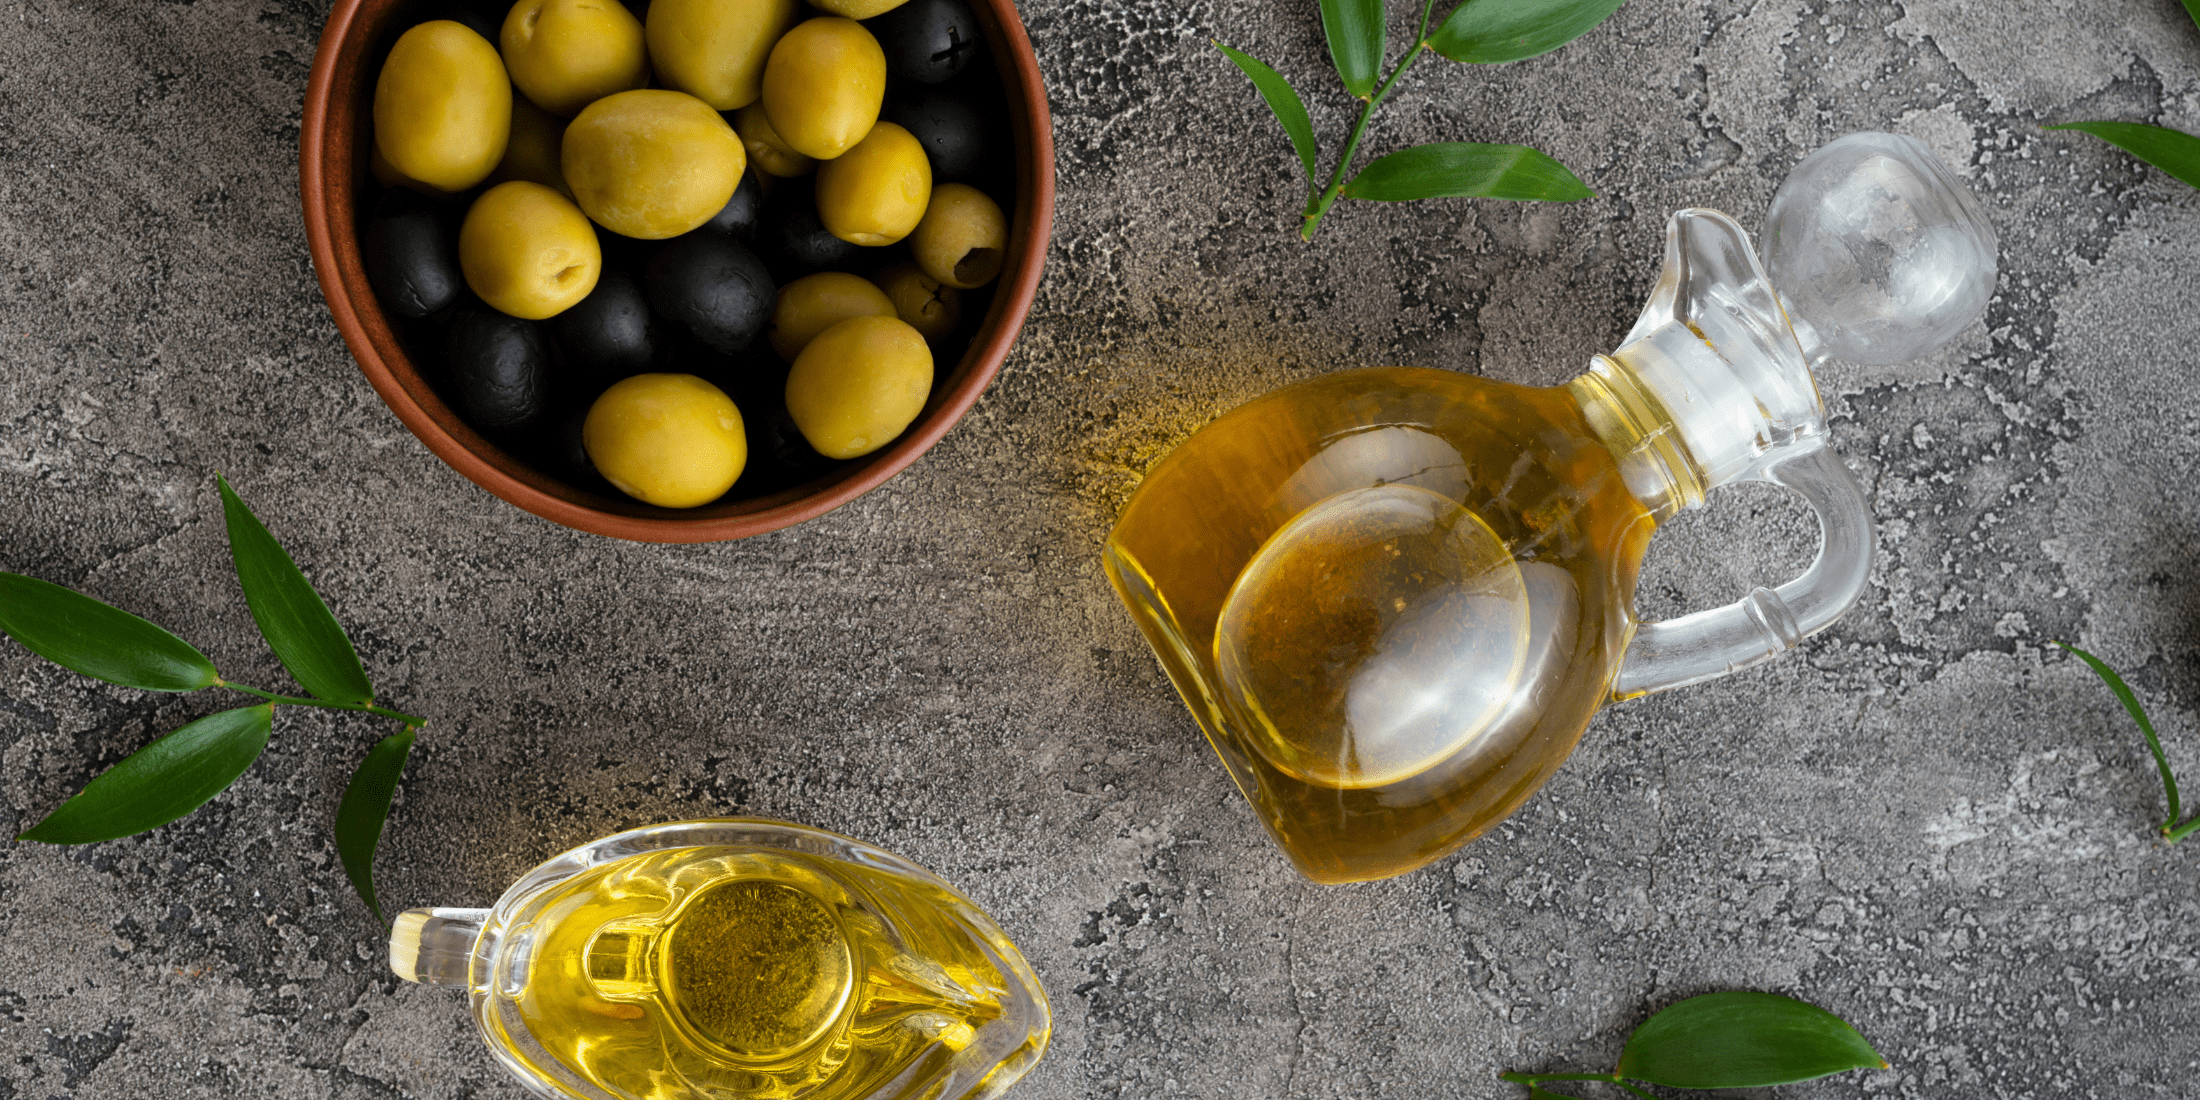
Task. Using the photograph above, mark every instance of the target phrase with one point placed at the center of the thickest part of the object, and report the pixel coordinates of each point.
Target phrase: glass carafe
(736, 959)
(1394, 598)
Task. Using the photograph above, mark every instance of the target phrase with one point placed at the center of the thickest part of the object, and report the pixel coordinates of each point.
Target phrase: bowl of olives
(677, 270)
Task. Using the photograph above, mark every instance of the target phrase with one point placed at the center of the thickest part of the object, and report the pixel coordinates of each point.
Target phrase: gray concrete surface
(1925, 821)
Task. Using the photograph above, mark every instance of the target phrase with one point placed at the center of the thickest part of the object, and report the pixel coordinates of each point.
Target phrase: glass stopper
(1879, 251)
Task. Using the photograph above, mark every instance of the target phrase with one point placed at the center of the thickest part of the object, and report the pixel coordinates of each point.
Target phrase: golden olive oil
(1392, 598)
(751, 973)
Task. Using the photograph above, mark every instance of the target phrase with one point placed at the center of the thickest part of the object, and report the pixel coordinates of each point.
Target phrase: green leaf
(1466, 169)
(296, 624)
(366, 807)
(162, 781)
(1486, 31)
(1743, 1040)
(2192, 8)
(84, 635)
(1355, 31)
(2138, 714)
(1282, 101)
(2172, 151)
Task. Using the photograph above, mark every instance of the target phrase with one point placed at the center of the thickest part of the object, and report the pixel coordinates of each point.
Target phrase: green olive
(814, 303)
(859, 384)
(442, 106)
(528, 251)
(859, 9)
(651, 163)
(930, 307)
(766, 147)
(714, 50)
(875, 193)
(672, 440)
(387, 175)
(823, 86)
(567, 54)
(963, 238)
(532, 154)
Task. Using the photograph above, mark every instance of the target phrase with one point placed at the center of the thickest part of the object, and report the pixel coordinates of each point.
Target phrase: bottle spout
(1714, 358)
(436, 946)
(1874, 252)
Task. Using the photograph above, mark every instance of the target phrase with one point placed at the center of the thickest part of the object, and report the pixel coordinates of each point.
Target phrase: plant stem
(2171, 830)
(1318, 203)
(293, 700)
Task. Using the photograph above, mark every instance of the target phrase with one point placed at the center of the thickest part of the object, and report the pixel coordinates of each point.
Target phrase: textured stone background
(1923, 821)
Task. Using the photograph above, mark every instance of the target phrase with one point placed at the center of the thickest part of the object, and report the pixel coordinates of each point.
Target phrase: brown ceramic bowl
(334, 145)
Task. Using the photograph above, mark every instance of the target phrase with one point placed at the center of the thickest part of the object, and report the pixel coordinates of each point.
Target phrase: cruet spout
(1874, 252)
(1714, 349)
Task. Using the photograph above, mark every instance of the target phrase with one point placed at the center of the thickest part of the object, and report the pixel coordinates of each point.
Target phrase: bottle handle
(1768, 622)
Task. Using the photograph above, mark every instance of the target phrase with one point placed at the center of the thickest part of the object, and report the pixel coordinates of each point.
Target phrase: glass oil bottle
(736, 959)
(1394, 598)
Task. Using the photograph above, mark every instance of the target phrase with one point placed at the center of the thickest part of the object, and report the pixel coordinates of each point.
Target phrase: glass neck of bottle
(1634, 426)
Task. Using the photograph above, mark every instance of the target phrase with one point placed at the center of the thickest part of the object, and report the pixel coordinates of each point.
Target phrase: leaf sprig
(2172, 830)
(1477, 32)
(2172, 151)
(179, 772)
(1727, 1041)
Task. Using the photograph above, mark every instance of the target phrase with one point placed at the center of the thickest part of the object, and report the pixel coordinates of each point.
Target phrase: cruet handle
(1879, 254)
(1768, 622)
(436, 946)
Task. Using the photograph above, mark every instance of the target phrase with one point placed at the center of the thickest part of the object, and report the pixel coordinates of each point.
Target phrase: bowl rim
(333, 242)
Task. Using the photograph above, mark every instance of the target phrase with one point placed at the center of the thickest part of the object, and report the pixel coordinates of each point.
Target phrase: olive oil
(1392, 598)
(738, 972)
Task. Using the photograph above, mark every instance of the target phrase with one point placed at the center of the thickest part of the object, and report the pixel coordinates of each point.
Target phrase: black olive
(794, 242)
(412, 255)
(434, 332)
(738, 218)
(928, 41)
(567, 455)
(623, 252)
(980, 86)
(749, 377)
(570, 453)
(755, 380)
(608, 335)
(500, 367)
(713, 287)
(779, 458)
(952, 131)
(784, 443)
